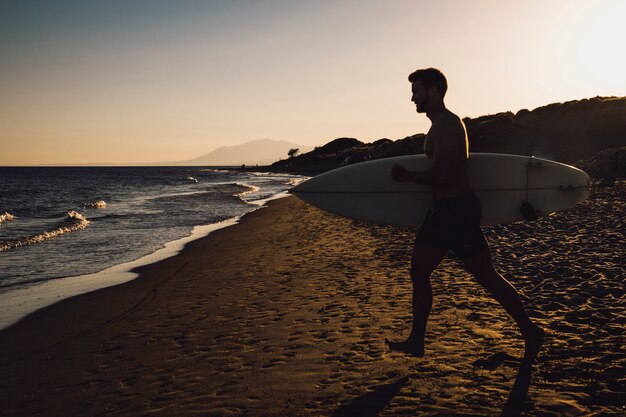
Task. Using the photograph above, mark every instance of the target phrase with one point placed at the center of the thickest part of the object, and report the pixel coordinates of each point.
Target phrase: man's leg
(424, 261)
(481, 266)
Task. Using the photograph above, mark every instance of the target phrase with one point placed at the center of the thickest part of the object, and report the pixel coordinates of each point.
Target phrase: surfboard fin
(528, 211)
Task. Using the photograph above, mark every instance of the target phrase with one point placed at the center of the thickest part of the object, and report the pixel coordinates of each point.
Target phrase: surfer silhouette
(453, 222)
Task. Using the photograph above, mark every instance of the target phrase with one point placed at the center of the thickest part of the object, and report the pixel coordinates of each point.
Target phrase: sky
(139, 81)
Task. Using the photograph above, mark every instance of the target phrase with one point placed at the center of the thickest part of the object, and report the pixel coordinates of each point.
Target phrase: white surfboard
(365, 191)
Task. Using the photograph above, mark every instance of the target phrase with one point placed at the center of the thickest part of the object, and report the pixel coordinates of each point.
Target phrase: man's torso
(449, 128)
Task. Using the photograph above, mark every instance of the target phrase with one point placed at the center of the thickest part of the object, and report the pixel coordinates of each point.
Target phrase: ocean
(59, 222)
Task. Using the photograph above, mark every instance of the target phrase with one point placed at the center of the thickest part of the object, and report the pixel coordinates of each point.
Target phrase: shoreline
(21, 302)
(286, 313)
(25, 300)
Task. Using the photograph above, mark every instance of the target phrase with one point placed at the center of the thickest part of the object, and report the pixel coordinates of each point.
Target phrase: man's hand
(398, 173)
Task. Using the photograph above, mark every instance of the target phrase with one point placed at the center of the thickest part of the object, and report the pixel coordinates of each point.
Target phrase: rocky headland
(590, 133)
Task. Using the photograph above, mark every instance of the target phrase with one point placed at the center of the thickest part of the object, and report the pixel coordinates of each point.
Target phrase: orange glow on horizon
(147, 84)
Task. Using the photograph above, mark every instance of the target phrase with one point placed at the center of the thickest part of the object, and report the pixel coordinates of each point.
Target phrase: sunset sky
(145, 81)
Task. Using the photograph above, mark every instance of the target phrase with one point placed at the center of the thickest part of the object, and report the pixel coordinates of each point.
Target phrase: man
(453, 221)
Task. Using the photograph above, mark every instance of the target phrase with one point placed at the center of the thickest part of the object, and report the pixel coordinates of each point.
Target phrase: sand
(285, 314)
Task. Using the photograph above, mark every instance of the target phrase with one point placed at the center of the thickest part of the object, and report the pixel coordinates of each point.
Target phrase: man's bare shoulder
(448, 126)
(452, 121)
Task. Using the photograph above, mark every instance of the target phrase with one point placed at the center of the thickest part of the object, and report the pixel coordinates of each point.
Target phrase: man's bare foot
(408, 346)
(533, 343)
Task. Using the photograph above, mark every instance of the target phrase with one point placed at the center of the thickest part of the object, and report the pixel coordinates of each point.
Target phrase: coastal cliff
(589, 132)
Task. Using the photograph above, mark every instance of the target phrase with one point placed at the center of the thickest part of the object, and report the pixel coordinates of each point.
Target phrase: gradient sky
(145, 81)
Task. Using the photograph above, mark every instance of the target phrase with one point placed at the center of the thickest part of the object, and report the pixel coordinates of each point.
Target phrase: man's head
(428, 85)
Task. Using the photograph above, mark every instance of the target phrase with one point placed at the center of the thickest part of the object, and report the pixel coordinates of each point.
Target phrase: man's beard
(421, 106)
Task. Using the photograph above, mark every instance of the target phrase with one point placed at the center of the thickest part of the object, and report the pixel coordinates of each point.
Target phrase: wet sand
(285, 314)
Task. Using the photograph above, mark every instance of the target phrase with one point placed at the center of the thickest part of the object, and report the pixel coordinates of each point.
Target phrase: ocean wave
(96, 204)
(247, 188)
(295, 181)
(73, 222)
(214, 192)
(6, 217)
(271, 174)
(231, 188)
(238, 190)
(219, 170)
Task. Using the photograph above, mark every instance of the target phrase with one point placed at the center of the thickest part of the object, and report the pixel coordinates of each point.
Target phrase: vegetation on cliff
(590, 130)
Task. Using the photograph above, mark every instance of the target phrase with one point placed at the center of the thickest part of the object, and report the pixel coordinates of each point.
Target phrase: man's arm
(446, 157)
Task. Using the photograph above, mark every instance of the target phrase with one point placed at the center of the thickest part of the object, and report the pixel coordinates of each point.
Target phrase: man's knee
(424, 261)
(486, 277)
(480, 266)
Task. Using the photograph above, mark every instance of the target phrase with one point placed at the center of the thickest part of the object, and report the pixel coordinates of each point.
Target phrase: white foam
(264, 201)
(96, 204)
(73, 222)
(6, 217)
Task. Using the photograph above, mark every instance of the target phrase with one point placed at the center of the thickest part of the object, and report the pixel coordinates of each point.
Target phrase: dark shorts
(454, 223)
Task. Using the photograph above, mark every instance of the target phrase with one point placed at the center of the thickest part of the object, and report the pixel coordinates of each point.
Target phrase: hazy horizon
(156, 80)
(224, 156)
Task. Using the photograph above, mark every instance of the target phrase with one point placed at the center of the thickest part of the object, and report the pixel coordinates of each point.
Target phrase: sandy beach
(285, 314)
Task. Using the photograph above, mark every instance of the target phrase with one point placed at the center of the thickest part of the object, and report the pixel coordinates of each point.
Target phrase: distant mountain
(256, 152)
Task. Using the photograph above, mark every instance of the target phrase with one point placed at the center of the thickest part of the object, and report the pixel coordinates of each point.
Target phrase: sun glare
(597, 44)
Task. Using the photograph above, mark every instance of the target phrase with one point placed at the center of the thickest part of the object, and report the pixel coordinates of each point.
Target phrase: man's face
(420, 96)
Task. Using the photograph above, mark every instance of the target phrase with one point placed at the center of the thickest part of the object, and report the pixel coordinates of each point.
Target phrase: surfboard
(503, 183)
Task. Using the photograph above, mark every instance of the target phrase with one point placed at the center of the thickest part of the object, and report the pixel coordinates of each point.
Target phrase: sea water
(59, 222)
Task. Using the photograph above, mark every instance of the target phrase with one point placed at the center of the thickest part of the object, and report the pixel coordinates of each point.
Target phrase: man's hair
(430, 77)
